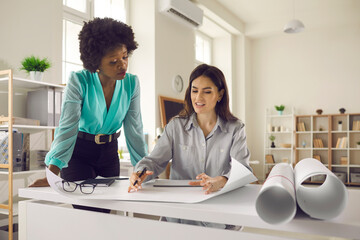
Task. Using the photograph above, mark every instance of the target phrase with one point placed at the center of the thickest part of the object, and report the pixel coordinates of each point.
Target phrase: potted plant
(35, 66)
(358, 144)
(280, 109)
(272, 139)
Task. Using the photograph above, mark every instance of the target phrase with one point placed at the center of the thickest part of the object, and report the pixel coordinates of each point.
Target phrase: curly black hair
(99, 36)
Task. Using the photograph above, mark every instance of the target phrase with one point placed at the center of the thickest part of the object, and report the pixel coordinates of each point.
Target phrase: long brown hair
(217, 77)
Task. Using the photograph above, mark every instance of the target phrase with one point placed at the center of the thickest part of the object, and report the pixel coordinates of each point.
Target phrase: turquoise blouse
(84, 109)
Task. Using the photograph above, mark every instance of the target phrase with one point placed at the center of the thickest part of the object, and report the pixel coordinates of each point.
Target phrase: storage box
(318, 178)
(341, 176)
(343, 161)
(355, 177)
(4, 232)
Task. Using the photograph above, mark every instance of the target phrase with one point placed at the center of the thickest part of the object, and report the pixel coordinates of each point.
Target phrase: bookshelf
(15, 91)
(282, 128)
(331, 139)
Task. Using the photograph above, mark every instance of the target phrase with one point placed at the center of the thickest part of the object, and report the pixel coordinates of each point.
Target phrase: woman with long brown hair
(201, 141)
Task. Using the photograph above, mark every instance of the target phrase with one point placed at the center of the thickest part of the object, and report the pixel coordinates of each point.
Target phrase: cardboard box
(343, 160)
(269, 158)
(22, 121)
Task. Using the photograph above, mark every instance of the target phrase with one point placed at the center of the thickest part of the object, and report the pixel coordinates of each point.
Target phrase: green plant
(358, 143)
(33, 63)
(272, 138)
(280, 108)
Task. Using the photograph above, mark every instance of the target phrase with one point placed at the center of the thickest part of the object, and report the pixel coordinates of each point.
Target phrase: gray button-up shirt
(192, 153)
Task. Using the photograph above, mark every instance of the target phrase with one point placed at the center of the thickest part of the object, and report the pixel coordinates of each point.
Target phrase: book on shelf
(356, 126)
(318, 143)
(338, 143)
(317, 157)
(269, 158)
(285, 185)
(301, 127)
(342, 142)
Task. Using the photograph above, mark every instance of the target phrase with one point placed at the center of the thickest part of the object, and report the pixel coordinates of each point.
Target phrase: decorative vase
(319, 111)
(342, 110)
(37, 76)
(280, 112)
(272, 145)
(340, 126)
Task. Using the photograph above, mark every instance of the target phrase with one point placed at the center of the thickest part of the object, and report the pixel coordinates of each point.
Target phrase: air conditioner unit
(183, 11)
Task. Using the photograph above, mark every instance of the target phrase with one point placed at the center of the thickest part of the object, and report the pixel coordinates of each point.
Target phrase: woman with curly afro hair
(97, 102)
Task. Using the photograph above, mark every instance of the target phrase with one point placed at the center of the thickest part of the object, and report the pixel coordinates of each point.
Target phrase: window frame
(207, 38)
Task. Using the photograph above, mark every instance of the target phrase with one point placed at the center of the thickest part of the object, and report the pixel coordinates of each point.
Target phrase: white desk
(236, 207)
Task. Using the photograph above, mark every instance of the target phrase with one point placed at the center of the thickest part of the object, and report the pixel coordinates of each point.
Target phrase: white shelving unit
(13, 86)
(282, 128)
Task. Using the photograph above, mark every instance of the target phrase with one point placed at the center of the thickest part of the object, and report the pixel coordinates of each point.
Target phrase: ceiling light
(294, 26)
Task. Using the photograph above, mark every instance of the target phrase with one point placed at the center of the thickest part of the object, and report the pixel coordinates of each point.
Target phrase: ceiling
(266, 17)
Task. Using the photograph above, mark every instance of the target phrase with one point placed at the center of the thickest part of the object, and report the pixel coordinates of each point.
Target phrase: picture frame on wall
(169, 108)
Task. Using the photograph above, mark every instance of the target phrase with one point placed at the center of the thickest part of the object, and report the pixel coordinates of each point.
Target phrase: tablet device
(99, 182)
(174, 183)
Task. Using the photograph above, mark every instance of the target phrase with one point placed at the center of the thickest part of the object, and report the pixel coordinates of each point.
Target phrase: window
(71, 54)
(202, 48)
(75, 14)
(110, 8)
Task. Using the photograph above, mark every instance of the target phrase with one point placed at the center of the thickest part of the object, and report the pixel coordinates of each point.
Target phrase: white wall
(31, 28)
(175, 55)
(166, 48)
(310, 70)
(142, 62)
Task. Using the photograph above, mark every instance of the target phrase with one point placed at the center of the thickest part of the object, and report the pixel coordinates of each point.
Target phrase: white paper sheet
(239, 176)
(283, 189)
(172, 183)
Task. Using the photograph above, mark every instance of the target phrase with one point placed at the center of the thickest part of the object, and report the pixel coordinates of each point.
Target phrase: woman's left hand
(209, 184)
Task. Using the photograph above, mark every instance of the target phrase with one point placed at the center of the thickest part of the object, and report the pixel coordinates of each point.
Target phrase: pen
(142, 173)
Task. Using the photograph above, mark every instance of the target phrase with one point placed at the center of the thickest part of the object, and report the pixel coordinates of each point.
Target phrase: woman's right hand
(139, 180)
(42, 182)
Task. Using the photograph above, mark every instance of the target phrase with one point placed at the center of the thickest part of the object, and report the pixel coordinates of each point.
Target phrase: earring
(219, 100)
(97, 70)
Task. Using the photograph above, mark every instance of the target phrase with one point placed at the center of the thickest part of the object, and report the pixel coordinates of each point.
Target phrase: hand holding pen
(137, 178)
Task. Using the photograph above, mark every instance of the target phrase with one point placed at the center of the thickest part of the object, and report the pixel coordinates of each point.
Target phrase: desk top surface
(236, 207)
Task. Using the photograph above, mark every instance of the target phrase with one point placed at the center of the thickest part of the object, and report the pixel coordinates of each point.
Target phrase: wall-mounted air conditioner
(183, 11)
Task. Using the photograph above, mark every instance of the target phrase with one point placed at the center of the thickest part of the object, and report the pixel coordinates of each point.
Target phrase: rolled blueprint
(325, 201)
(276, 202)
(283, 189)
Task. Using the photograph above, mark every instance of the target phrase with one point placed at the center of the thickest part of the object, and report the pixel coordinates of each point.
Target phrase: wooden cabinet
(331, 139)
(14, 91)
(282, 128)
